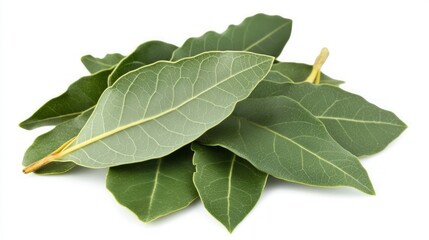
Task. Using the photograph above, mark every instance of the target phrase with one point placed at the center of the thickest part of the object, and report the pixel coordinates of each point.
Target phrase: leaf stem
(314, 76)
(48, 159)
(39, 164)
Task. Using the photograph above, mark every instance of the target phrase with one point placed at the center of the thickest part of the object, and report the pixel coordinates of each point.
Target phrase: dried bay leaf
(146, 53)
(154, 110)
(261, 33)
(357, 125)
(155, 188)
(228, 185)
(94, 64)
(284, 140)
(79, 97)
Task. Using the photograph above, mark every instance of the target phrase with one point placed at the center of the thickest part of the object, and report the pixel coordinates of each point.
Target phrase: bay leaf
(279, 137)
(48, 142)
(146, 53)
(228, 185)
(357, 125)
(79, 97)
(155, 188)
(154, 110)
(291, 72)
(52, 140)
(260, 34)
(94, 64)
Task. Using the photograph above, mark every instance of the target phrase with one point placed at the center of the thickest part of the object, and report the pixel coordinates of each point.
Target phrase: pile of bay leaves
(211, 119)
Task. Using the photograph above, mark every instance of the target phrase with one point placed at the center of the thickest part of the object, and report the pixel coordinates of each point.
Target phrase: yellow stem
(48, 159)
(37, 165)
(314, 76)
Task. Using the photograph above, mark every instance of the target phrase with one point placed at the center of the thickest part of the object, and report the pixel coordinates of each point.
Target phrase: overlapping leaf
(155, 188)
(146, 53)
(260, 34)
(290, 72)
(357, 125)
(144, 122)
(94, 64)
(228, 185)
(157, 109)
(79, 97)
(279, 137)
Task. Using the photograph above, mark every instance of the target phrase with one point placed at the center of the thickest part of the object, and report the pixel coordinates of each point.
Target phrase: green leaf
(289, 72)
(228, 185)
(155, 188)
(284, 140)
(260, 34)
(359, 126)
(146, 53)
(94, 64)
(79, 97)
(47, 143)
(154, 110)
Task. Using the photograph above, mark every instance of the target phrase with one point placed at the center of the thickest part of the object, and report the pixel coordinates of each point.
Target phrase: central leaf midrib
(302, 147)
(281, 74)
(141, 121)
(55, 117)
(98, 61)
(155, 184)
(228, 200)
(357, 120)
(266, 36)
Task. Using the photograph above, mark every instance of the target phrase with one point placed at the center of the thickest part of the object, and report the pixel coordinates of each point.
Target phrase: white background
(379, 47)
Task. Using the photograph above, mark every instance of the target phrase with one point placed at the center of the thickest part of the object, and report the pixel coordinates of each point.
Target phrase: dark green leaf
(289, 72)
(155, 188)
(79, 97)
(146, 53)
(94, 64)
(359, 126)
(279, 137)
(260, 34)
(228, 185)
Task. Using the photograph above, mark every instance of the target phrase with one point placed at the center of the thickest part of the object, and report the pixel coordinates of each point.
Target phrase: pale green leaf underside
(154, 110)
(260, 34)
(279, 137)
(94, 64)
(228, 185)
(155, 188)
(146, 53)
(357, 125)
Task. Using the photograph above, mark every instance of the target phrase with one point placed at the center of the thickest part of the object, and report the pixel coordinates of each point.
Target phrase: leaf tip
(24, 125)
(370, 190)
